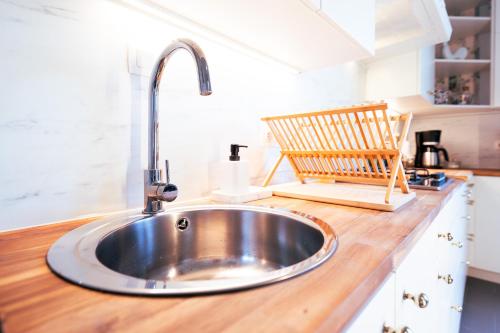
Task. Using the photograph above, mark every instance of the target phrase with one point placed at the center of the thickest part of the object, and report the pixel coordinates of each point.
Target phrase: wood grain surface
(372, 243)
(354, 195)
(486, 172)
(466, 174)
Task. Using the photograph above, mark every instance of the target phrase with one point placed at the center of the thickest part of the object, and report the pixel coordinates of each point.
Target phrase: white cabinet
(379, 312)
(297, 33)
(405, 78)
(408, 80)
(403, 26)
(361, 29)
(314, 4)
(416, 278)
(486, 244)
(428, 286)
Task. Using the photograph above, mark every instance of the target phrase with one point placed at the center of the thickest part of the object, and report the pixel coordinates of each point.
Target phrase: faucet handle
(167, 172)
(167, 191)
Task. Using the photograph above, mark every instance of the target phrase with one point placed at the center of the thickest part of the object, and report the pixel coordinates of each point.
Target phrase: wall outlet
(269, 137)
(497, 145)
(139, 62)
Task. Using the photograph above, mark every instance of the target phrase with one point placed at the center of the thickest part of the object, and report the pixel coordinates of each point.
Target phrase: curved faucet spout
(156, 191)
(203, 81)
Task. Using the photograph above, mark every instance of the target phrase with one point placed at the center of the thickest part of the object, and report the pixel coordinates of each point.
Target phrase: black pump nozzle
(235, 149)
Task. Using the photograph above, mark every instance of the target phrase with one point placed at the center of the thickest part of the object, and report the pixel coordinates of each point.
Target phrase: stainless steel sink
(194, 249)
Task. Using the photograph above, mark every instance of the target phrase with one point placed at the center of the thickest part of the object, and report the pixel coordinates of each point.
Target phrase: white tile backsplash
(73, 120)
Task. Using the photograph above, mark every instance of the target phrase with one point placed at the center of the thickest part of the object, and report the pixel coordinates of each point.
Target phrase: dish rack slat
(358, 144)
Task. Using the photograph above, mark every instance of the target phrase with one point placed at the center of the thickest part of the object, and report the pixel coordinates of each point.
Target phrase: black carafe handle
(445, 153)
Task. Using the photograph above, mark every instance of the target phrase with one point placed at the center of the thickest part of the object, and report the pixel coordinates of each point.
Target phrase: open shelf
(447, 67)
(464, 26)
(457, 6)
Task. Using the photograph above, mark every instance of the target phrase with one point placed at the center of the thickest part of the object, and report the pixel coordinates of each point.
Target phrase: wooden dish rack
(358, 144)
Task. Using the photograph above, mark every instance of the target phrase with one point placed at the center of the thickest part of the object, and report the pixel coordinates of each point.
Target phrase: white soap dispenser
(234, 186)
(235, 178)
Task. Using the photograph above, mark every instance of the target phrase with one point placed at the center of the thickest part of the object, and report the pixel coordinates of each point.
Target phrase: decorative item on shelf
(441, 93)
(483, 9)
(441, 96)
(465, 97)
(460, 54)
(354, 144)
(477, 53)
(456, 89)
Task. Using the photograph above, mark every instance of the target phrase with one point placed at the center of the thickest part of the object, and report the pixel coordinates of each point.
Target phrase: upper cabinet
(303, 34)
(403, 26)
(404, 80)
(458, 75)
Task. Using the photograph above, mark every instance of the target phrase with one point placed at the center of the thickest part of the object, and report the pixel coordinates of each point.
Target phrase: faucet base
(152, 205)
(152, 208)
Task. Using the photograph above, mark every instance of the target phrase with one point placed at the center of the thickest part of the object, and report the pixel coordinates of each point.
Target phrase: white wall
(73, 120)
(468, 138)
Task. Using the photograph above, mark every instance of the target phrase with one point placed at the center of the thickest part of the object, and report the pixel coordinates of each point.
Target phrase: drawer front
(426, 291)
(438, 257)
(453, 263)
(450, 301)
(379, 312)
(416, 285)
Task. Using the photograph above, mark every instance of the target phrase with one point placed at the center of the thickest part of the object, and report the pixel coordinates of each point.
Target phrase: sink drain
(182, 223)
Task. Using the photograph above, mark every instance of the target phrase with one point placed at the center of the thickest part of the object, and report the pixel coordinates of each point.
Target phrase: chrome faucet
(156, 191)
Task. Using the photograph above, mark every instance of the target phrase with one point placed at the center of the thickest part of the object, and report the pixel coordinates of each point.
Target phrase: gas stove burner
(425, 180)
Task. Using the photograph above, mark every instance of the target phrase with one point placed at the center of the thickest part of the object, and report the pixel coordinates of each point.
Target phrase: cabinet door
(416, 284)
(452, 262)
(487, 223)
(313, 4)
(403, 76)
(362, 29)
(292, 32)
(378, 312)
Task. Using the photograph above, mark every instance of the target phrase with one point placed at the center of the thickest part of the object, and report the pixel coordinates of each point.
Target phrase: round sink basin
(191, 250)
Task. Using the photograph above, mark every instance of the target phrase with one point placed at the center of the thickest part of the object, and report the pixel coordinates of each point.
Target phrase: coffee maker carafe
(428, 149)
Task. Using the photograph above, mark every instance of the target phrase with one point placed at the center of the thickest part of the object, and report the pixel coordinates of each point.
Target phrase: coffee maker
(428, 149)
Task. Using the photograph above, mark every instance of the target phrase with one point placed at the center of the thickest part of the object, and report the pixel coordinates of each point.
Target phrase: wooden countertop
(486, 172)
(372, 243)
(466, 174)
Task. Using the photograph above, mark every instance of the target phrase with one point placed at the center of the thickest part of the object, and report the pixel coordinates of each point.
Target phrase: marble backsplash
(73, 119)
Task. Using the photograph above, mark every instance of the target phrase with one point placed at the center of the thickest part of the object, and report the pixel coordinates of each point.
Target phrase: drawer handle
(470, 202)
(457, 308)
(458, 244)
(421, 300)
(388, 329)
(446, 278)
(467, 195)
(468, 217)
(470, 185)
(447, 236)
